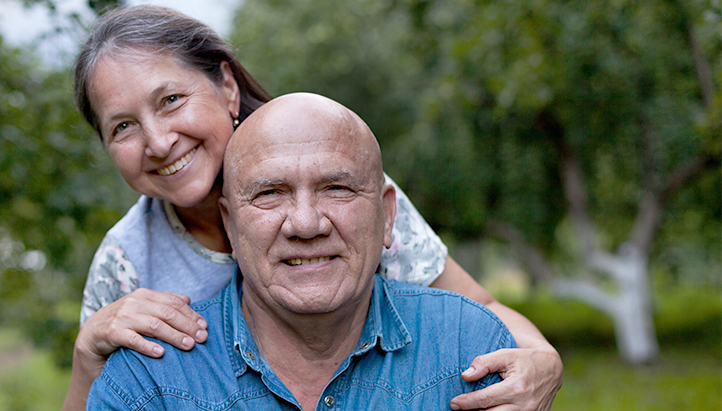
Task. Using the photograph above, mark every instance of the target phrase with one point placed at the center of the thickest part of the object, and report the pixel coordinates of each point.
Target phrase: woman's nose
(159, 140)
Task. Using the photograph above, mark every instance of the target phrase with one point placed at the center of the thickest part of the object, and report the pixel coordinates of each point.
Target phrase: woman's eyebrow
(160, 90)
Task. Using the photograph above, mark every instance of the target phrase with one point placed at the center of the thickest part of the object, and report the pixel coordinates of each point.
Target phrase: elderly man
(309, 325)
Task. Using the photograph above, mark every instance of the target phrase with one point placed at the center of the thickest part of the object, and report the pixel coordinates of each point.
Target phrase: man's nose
(159, 140)
(305, 220)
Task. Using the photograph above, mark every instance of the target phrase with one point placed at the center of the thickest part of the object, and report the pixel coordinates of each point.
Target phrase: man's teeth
(301, 261)
(178, 165)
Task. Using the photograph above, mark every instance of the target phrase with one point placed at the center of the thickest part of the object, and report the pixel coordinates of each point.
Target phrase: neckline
(198, 248)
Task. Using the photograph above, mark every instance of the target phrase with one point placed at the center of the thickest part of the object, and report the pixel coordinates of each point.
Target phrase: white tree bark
(629, 308)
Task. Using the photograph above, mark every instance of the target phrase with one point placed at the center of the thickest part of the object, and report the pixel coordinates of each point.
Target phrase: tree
(568, 129)
(59, 193)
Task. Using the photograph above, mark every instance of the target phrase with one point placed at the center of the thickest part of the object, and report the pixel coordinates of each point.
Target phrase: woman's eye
(120, 131)
(121, 127)
(171, 99)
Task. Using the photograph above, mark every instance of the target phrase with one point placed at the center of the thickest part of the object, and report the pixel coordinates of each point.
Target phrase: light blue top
(414, 346)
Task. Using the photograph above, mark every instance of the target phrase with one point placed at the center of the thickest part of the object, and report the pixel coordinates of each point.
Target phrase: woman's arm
(532, 374)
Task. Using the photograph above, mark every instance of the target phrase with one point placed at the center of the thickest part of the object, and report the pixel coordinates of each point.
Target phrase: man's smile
(303, 261)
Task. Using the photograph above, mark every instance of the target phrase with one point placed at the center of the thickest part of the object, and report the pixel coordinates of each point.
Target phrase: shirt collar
(384, 326)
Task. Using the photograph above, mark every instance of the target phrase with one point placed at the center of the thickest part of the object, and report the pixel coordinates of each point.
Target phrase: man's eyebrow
(340, 175)
(260, 184)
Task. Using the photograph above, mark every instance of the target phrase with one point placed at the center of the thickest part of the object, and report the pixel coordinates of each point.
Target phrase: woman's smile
(178, 165)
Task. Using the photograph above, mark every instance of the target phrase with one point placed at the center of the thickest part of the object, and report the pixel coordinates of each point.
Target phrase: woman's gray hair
(158, 29)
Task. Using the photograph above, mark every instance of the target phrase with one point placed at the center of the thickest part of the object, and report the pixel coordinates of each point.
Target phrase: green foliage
(462, 95)
(98, 6)
(59, 193)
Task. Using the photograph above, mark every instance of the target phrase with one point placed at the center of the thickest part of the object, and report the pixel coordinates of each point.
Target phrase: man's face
(307, 216)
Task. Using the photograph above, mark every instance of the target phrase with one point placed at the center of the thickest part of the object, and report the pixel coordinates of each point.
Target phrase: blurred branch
(688, 171)
(587, 292)
(531, 257)
(575, 190)
(701, 64)
(653, 201)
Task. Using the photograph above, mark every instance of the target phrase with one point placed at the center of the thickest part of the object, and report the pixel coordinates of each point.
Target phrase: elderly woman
(164, 93)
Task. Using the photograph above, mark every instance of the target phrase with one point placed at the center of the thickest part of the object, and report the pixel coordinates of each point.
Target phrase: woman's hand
(123, 323)
(532, 373)
(163, 315)
(531, 379)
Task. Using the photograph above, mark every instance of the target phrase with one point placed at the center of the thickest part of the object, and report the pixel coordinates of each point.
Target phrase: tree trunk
(629, 308)
(632, 316)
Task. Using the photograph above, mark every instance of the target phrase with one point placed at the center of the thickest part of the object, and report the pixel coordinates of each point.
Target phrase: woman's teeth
(178, 165)
(301, 261)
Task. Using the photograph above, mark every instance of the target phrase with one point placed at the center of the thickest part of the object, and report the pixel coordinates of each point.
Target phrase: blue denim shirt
(415, 344)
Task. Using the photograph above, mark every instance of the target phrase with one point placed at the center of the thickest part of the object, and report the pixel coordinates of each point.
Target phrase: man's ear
(230, 89)
(228, 223)
(388, 200)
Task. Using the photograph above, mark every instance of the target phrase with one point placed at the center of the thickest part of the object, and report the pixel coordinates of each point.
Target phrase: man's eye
(266, 193)
(339, 191)
(267, 199)
(171, 99)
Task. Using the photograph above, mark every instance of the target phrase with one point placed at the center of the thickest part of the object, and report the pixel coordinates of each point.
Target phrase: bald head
(301, 123)
(304, 192)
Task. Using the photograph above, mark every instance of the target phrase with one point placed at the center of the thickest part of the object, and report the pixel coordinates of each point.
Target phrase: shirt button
(329, 401)
(250, 355)
(364, 345)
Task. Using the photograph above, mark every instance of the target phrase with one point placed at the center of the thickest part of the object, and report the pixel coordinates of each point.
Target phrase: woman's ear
(230, 89)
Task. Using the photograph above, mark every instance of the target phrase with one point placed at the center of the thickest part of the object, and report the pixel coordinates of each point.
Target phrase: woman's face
(166, 126)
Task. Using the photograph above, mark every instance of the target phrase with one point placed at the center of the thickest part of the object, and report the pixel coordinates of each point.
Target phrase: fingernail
(158, 351)
(187, 342)
(202, 323)
(455, 406)
(469, 372)
(201, 335)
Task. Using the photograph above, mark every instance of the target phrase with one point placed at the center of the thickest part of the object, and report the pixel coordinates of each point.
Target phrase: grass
(679, 380)
(32, 381)
(687, 376)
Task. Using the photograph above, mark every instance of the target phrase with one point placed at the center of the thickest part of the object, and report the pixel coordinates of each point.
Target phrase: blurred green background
(531, 135)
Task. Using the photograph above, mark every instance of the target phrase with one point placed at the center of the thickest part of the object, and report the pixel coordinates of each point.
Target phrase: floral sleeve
(417, 255)
(111, 276)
